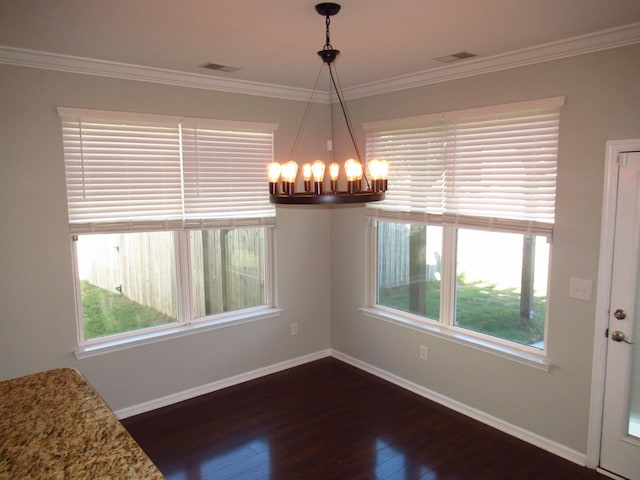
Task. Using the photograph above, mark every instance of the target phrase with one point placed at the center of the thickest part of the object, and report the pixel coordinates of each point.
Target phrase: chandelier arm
(333, 129)
(305, 115)
(347, 122)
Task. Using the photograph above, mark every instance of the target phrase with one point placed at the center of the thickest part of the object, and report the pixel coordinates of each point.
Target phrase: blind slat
(497, 166)
(134, 173)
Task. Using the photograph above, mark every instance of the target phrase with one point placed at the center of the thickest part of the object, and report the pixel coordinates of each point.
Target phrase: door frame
(603, 296)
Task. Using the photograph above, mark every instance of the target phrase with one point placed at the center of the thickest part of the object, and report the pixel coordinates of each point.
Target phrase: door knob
(619, 336)
(620, 314)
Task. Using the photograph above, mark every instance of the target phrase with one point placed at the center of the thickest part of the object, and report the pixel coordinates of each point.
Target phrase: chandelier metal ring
(314, 192)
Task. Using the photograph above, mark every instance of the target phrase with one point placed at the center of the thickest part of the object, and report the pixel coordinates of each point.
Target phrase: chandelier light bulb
(375, 169)
(353, 172)
(273, 173)
(379, 172)
(317, 169)
(306, 171)
(289, 172)
(306, 176)
(334, 172)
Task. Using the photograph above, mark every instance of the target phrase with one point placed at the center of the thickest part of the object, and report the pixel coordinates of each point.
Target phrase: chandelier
(282, 177)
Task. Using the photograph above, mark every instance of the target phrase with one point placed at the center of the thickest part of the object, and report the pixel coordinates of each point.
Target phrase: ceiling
(275, 42)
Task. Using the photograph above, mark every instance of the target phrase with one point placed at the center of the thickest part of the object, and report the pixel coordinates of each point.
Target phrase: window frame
(450, 222)
(215, 218)
(445, 327)
(185, 323)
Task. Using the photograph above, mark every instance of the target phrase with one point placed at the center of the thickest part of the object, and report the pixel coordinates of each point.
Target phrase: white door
(620, 446)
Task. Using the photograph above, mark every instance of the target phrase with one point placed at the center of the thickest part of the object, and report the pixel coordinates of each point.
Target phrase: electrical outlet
(424, 352)
(294, 328)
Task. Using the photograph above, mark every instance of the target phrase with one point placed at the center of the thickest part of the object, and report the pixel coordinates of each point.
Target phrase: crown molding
(101, 68)
(598, 41)
(593, 42)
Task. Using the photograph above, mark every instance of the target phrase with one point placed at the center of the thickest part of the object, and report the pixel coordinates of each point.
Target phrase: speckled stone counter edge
(54, 425)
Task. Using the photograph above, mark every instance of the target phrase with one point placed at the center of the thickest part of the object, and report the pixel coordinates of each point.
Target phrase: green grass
(106, 313)
(479, 307)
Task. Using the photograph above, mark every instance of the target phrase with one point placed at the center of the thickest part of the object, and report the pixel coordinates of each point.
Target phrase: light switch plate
(580, 288)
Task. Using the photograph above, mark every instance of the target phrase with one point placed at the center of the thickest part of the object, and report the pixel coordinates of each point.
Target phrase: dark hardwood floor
(329, 420)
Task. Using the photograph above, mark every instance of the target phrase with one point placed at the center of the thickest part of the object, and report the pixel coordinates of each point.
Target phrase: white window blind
(492, 168)
(131, 172)
(224, 175)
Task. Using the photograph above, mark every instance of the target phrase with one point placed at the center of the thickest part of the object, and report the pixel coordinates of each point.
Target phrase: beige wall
(320, 252)
(602, 103)
(37, 319)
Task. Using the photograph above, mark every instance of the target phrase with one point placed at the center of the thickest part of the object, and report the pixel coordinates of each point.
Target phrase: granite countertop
(53, 425)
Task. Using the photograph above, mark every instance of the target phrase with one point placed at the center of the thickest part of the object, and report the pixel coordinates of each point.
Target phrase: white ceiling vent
(454, 57)
(219, 68)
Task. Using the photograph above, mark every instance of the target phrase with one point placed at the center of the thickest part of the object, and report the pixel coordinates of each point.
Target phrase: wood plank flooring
(329, 420)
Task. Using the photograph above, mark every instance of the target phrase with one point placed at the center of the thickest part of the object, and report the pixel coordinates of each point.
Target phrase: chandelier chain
(327, 45)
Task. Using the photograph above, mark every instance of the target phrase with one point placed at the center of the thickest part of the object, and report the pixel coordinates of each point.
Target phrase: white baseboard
(609, 474)
(497, 423)
(219, 384)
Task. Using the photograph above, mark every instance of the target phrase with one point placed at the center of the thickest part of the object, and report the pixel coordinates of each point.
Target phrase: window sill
(510, 353)
(109, 346)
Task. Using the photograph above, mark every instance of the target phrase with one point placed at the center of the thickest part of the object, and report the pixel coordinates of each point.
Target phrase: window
(170, 225)
(463, 236)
